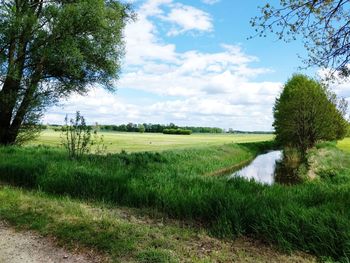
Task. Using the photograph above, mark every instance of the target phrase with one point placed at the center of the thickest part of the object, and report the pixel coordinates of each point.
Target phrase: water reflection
(287, 170)
(262, 169)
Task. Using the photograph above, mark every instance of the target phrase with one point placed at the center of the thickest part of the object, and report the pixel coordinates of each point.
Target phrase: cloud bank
(190, 87)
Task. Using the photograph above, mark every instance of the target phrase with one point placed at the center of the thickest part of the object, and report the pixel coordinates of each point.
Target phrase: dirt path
(27, 247)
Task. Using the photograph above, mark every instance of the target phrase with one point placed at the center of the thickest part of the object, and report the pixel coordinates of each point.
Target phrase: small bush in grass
(177, 131)
(77, 137)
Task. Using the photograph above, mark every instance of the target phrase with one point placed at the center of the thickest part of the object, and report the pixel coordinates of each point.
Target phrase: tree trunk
(8, 97)
(5, 96)
(23, 109)
(9, 92)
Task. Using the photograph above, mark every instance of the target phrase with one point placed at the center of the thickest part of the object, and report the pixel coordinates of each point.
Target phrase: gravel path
(27, 247)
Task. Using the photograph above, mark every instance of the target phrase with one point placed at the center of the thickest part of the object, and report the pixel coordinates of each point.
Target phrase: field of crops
(133, 142)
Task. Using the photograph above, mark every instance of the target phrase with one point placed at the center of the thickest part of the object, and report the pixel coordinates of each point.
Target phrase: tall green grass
(123, 234)
(313, 217)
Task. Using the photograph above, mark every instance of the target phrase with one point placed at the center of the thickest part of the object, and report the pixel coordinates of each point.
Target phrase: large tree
(306, 112)
(324, 26)
(51, 48)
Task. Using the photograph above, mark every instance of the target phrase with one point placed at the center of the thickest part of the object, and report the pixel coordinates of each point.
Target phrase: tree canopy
(324, 26)
(50, 49)
(306, 112)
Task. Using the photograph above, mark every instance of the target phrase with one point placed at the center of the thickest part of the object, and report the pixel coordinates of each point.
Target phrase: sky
(191, 63)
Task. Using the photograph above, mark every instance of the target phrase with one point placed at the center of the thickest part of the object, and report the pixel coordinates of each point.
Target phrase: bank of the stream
(114, 234)
(313, 216)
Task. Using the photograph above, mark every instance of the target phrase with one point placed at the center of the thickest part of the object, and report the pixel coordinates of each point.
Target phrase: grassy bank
(133, 142)
(127, 235)
(313, 217)
(328, 163)
(344, 144)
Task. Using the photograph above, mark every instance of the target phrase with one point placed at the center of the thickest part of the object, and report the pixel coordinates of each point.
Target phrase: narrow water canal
(262, 168)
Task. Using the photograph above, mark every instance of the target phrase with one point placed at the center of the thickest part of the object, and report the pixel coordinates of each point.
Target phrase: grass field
(133, 142)
(312, 216)
(344, 144)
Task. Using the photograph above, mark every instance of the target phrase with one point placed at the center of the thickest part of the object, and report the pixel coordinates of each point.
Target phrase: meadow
(344, 144)
(134, 142)
(312, 217)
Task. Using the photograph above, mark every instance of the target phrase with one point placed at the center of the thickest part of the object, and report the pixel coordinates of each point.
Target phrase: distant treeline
(249, 132)
(159, 128)
(177, 131)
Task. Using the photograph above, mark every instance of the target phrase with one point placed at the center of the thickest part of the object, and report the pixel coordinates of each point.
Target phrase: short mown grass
(313, 216)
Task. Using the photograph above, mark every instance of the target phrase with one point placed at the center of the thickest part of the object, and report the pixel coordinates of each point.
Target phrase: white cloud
(153, 7)
(227, 111)
(188, 18)
(143, 44)
(188, 88)
(182, 18)
(192, 73)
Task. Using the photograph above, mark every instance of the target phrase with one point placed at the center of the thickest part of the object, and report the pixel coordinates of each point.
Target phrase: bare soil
(28, 247)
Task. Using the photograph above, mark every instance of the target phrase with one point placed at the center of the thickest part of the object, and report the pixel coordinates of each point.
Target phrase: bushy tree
(177, 131)
(306, 112)
(52, 48)
(141, 128)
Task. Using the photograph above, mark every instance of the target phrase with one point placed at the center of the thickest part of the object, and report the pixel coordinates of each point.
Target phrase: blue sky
(190, 63)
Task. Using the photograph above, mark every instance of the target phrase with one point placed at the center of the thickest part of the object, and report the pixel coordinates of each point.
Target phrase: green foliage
(313, 216)
(141, 128)
(306, 113)
(322, 25)
(76, 136)
(177, 131)
(98, 143)
(101, 231)
(29, 131)
(124, 234)
(157, 128)
(77, 139)
(49, 50)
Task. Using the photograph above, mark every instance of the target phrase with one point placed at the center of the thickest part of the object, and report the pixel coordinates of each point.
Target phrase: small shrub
(76, 136)
(177, 131)
(77, 139)
(98, 142)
